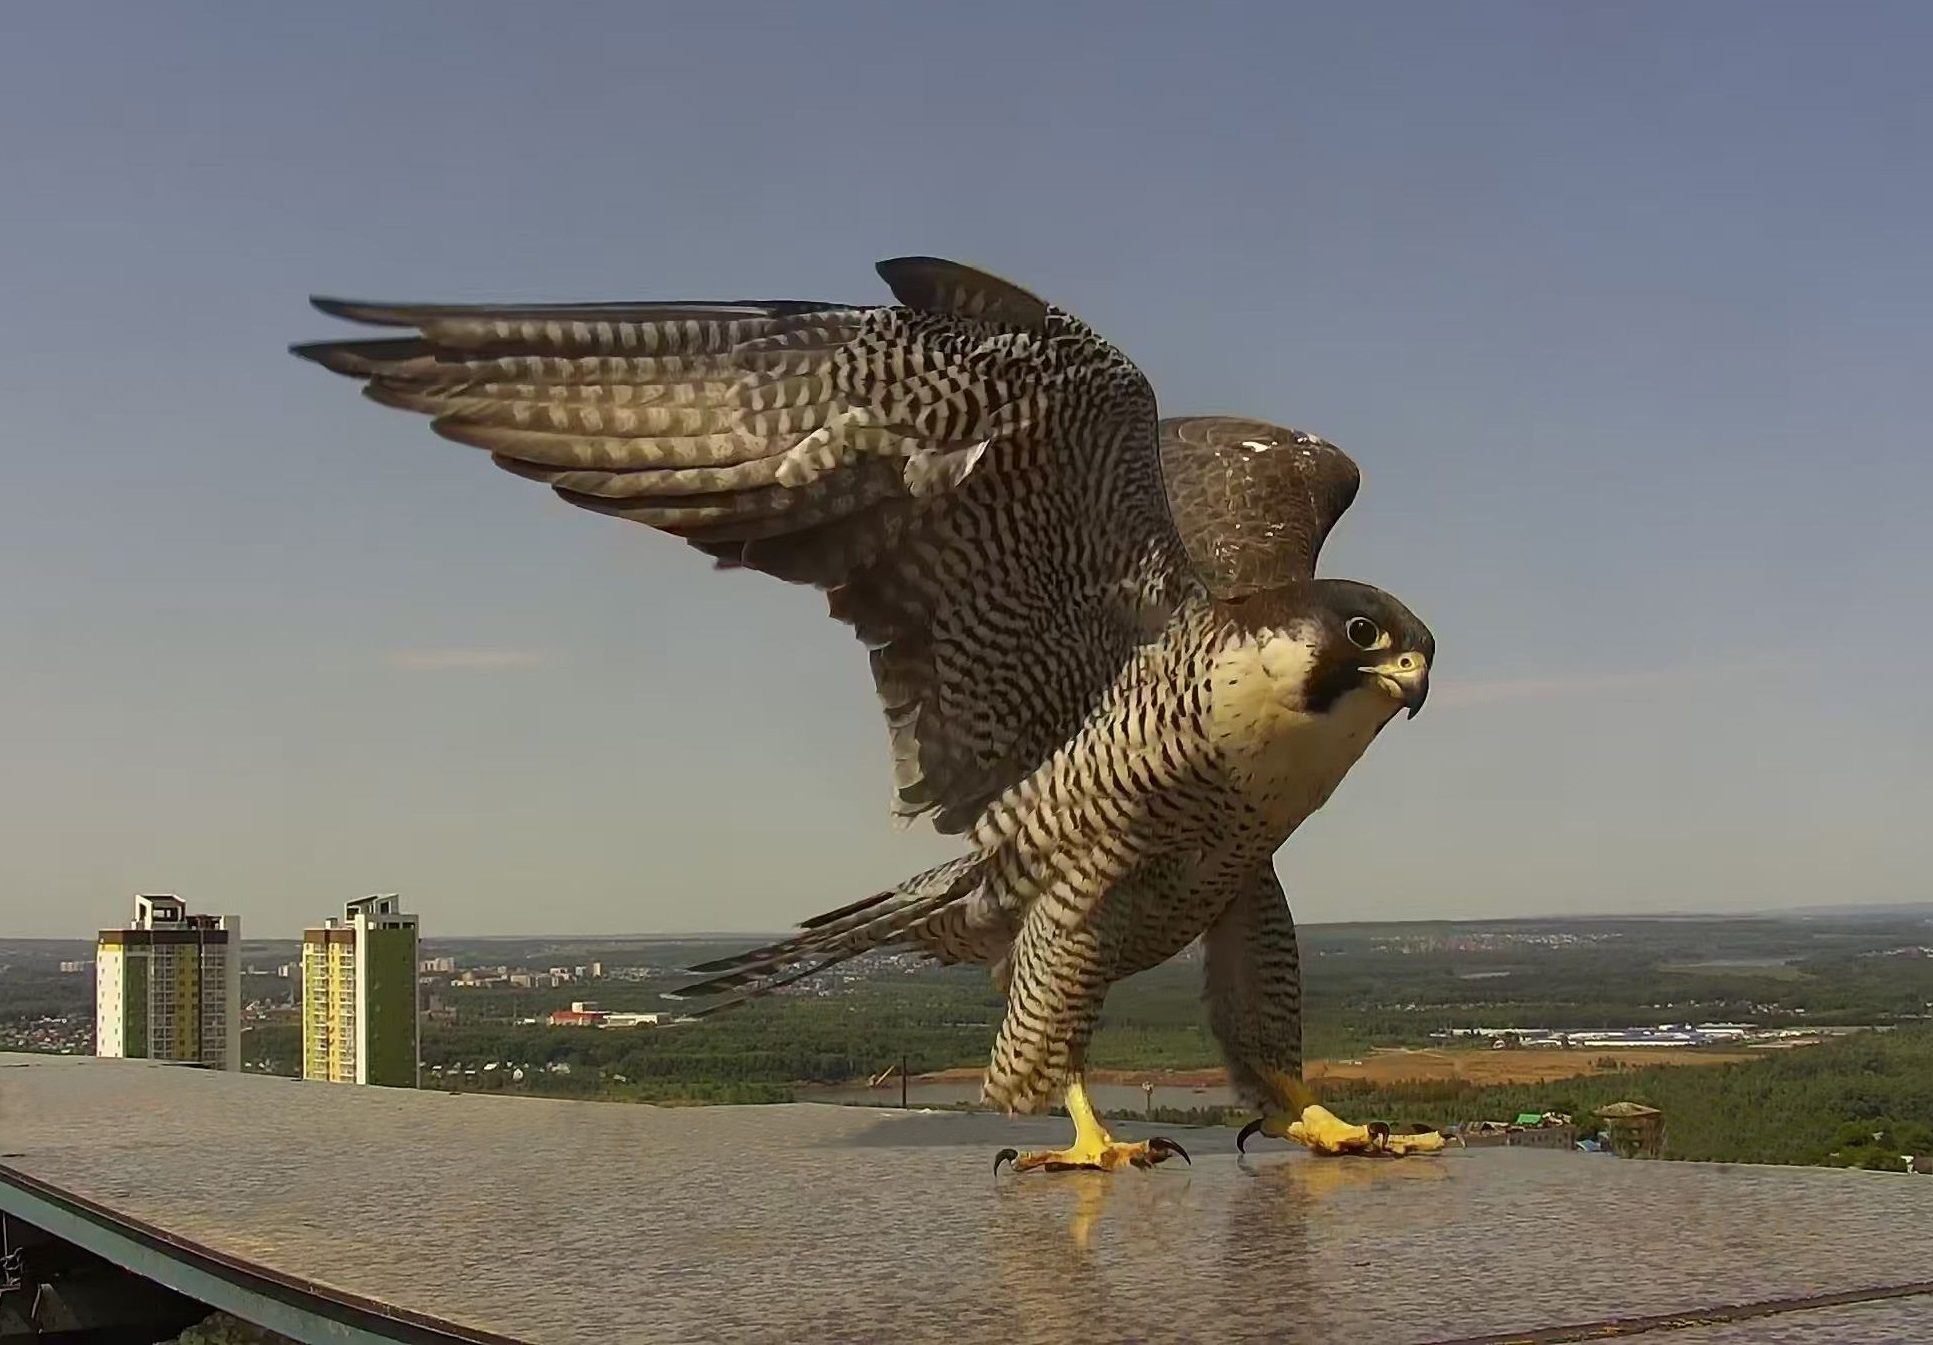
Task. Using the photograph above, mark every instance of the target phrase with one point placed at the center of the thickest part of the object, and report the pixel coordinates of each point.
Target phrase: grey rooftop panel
(548, 1222)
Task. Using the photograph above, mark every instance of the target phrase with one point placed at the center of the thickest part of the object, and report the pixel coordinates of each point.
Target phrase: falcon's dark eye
(1362, 633)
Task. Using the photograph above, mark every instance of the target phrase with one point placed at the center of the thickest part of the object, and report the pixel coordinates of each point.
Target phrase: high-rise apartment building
(169, 986)
(359, 1001)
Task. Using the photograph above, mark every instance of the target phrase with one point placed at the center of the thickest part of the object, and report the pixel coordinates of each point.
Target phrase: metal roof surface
(548, 1221)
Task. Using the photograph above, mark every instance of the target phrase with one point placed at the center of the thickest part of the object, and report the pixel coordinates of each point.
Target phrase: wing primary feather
(760, 989)
(934, 467)
(376, 314)
(872, 922)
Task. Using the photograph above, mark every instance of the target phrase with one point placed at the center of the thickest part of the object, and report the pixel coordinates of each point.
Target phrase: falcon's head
(1325, 638)
(1253, 503)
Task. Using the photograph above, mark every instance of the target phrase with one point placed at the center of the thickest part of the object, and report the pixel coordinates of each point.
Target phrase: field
(1402, 1065)
(1529, 1065)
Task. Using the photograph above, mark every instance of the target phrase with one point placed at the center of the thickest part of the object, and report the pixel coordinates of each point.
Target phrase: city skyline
(1626, 337)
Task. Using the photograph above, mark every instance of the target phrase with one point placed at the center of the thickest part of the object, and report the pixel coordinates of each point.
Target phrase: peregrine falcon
(1097, 637)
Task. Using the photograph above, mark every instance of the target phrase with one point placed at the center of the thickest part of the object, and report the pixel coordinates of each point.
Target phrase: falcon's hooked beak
(1406, 677)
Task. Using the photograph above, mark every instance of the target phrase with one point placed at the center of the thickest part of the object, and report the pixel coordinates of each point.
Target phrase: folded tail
(824, 941)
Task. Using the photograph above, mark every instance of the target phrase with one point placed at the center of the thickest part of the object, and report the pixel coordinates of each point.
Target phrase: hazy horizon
(433, 936)
(1623, 312)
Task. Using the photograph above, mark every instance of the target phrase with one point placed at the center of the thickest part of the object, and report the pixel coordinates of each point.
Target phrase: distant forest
(1862, 1100)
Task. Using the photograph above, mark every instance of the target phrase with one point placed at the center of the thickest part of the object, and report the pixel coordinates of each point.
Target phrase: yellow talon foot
(1321, 1131)
(1102, 1156)
(1093, 1148)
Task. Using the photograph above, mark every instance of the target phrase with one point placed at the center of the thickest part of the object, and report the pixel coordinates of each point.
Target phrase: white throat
(1283, 758)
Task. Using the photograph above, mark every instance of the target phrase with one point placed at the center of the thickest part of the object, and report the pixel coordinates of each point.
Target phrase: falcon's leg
(1093, 1148)
(1254, 980)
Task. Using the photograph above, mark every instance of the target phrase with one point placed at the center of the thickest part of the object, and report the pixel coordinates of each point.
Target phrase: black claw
(1241, 1140)
(1004, 1156)
(1160, 1144)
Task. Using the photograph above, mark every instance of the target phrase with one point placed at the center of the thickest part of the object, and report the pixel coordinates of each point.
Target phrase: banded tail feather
(878, 921)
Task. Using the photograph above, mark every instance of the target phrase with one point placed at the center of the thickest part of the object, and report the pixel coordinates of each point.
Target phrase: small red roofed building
(581, 1013)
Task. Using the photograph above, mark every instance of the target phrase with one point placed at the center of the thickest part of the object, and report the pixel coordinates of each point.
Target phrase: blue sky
(1623, 310)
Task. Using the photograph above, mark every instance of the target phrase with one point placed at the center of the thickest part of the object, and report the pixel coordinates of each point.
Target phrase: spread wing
(971, 475)
(1253, 502)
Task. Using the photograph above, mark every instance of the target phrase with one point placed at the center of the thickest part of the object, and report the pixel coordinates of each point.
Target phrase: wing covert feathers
(936, 286)
(1253, 502)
